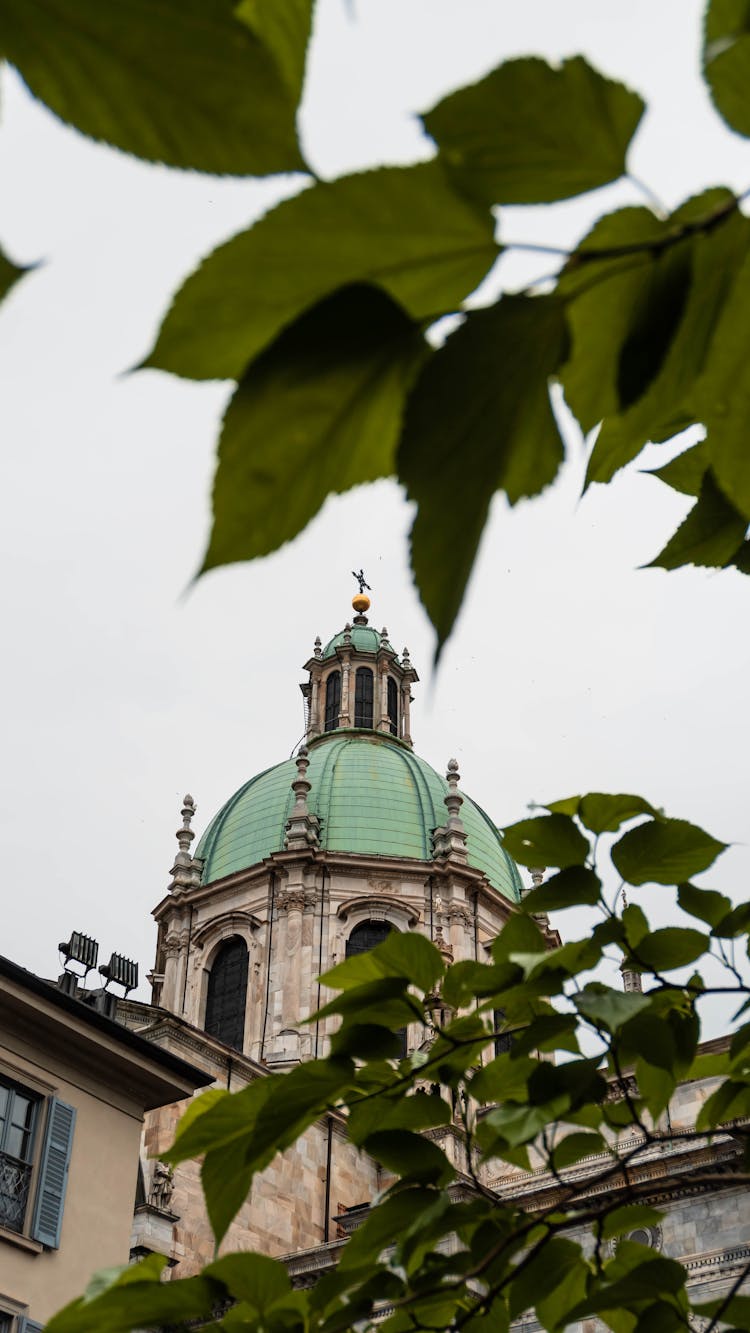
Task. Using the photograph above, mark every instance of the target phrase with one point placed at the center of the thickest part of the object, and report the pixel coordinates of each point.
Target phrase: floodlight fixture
(82, 949)
(120, 970)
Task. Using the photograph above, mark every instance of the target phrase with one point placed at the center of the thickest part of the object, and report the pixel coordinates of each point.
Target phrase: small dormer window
(363, 697)
(333, 701)
(393, 706)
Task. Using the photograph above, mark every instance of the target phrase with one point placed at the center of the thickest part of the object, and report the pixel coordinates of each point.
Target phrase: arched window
(364, 937)
(393, 705)
(503, 1040)
(333, 701)
(227, 992)
(363, 697)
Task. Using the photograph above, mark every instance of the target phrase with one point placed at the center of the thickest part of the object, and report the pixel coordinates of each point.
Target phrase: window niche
(363, 694)
(227, 994)
(367, 935)
(333, 701)
(392, 702)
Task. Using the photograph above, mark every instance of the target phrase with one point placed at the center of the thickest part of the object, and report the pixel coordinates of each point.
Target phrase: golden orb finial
(361, 603)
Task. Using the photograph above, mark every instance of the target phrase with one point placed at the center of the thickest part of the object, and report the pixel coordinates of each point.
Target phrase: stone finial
(347, 635)
(384, 633)
(537, 875)
(302, 827)
(450, 840)
(317, 647)
(405, 660)
(185, 871)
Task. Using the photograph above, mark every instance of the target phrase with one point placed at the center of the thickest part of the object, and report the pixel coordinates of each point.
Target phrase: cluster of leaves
(322, 310)
(441, 1249)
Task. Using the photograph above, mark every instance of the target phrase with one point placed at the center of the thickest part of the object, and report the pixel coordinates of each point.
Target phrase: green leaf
(546, 840)
(628, 1217)
(138, 1298)
(722, 394)
(519, 933)
(182, 81)
(9, 274)
(226, 1178)
(420, 1110)
(665, 851)
(252, 1277)
(602, 813)
(573, 887)
(366, 1041)
(532, 133)
(643, 324)
(685, 472)
(574, 1147)
(610, 1007)
(410, 1156)
(672, 946)
(411, 957)
(709, 536)
(478, 420)
(542, 1273)
(706, 904)
(285, 30)
(402, 228)
(318, 412)
(727, 61)
(567, 806)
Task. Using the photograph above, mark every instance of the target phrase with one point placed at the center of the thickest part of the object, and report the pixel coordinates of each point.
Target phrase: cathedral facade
(309, 862)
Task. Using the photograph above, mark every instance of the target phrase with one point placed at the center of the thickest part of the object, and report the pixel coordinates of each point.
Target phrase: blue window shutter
(28, 1326)
(53, 1174)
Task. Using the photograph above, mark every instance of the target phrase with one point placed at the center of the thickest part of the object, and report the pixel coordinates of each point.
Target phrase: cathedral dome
(373, 797)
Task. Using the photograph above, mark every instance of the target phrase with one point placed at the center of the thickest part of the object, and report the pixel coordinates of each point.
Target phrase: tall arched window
(363, 697)
(227, 992)
(364, 937)
(333, 701)
(393, 705)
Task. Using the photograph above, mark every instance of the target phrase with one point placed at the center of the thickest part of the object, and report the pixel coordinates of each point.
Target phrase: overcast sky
(569, 670)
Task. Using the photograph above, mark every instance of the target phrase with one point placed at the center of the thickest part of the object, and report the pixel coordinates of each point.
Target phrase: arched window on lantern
(367, 935)
(227, 993)
(363, 697)
(393, 706)
(333, 701)
(503, 1040)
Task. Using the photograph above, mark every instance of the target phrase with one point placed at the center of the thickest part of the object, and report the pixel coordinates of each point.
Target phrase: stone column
(405, 718)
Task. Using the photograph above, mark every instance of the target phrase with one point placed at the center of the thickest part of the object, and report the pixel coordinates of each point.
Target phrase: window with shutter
(363, 697)
(25, 1325)
(53, 1174)
(227, 994)
(19, 1115)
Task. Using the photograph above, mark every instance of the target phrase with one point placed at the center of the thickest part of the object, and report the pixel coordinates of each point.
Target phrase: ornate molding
(380, 907)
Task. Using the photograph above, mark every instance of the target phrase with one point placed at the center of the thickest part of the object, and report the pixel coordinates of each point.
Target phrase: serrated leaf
(519, 934)
(317, 413)
(573, 887)
(400, 228)
(614, 316)
(252, 1277)
(706, 904)
(532, 133)
(573, 1147)
(726, 61)
(722, 395)
(542, 1273)
(672, 946)
(709, 536)
(478, 420)
(665, 851)
(138, 1298)
(411, 957)
(546, 840)
(181, 82)
(628, 1217)
(410, 1156)
(609, 1007)
(685, 473)
(602, 813)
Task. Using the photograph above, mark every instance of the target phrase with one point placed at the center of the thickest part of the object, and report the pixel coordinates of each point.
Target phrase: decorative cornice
(379, 902)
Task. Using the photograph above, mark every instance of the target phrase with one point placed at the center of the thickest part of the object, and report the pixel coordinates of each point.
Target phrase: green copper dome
(364, 639)
(372, 795)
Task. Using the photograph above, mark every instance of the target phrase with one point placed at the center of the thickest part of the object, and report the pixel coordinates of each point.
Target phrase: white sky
(569, 670)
